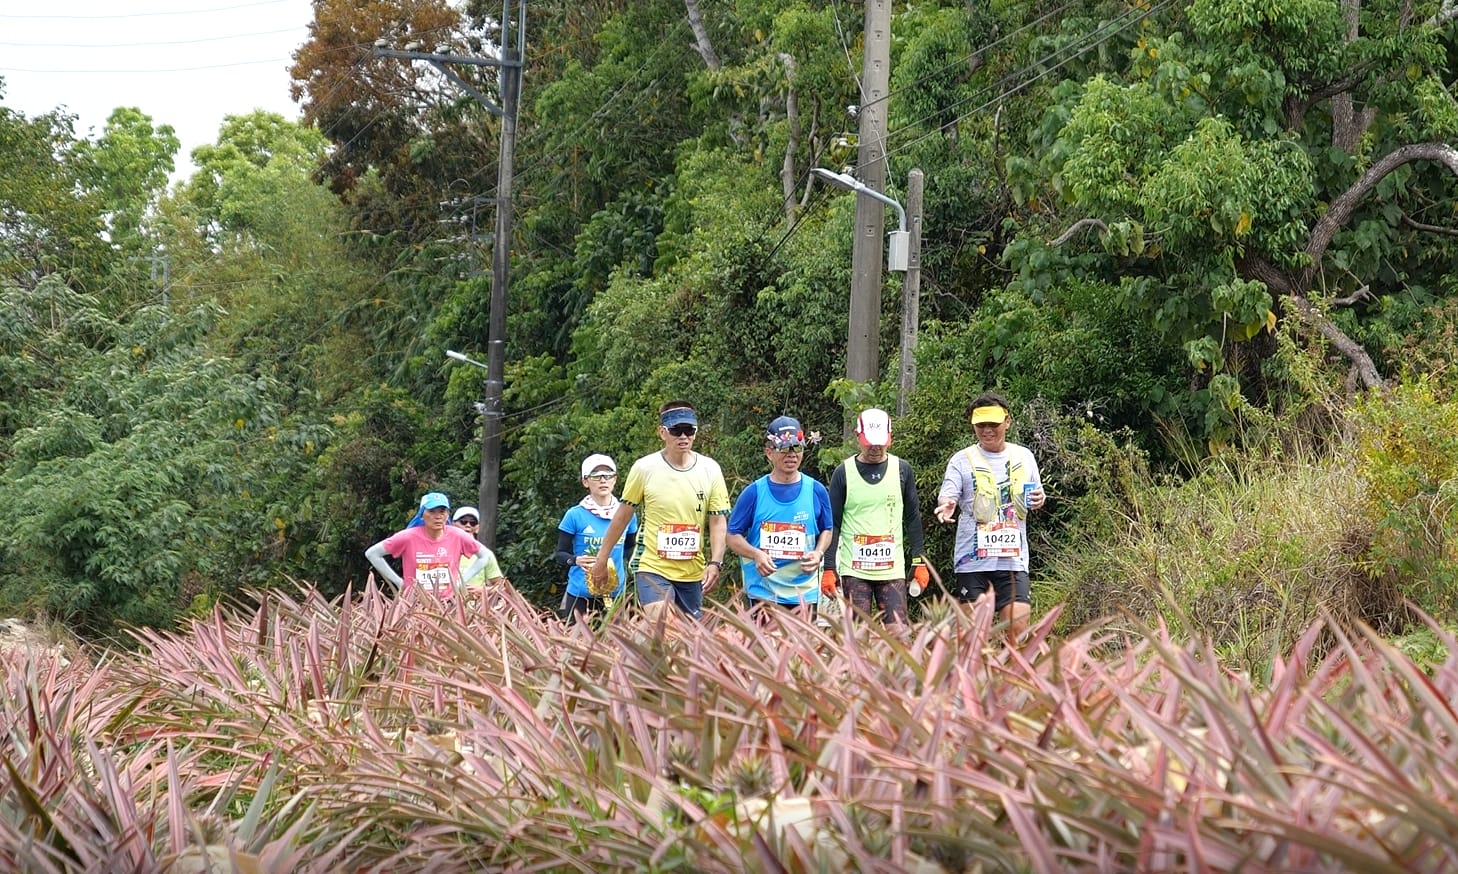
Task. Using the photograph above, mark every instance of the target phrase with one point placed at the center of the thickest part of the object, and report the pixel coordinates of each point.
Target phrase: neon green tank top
(871, 546)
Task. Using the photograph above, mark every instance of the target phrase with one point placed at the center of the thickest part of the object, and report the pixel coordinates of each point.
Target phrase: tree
(1207, 166)
(127, 170)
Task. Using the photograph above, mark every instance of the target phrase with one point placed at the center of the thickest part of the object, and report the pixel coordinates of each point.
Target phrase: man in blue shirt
(780, 525)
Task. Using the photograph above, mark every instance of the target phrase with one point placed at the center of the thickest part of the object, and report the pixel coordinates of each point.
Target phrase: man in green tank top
(877, 525)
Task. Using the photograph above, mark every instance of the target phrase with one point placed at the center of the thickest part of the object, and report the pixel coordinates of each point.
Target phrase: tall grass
(371, 735)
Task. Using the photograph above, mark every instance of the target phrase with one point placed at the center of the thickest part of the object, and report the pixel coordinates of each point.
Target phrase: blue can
(1028, 496)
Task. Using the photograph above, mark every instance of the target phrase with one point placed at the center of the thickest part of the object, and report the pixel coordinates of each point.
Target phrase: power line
(130, 45)
(147, 71)
(971, 55)
(148, 14)
(1074, 50)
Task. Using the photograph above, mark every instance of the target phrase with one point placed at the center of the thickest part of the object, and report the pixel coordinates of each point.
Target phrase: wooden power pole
(862, 362)
(509, 62)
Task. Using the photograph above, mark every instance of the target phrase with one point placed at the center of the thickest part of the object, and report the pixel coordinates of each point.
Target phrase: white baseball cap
(465, 511)
(873, 428)
(595, 461)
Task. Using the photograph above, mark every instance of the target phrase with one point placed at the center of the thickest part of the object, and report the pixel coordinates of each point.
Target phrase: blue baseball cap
(434, 501)
(785, 431)
(679, 416)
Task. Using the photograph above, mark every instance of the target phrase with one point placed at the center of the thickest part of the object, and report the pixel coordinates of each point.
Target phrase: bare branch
(792, 142)
(702, 45)
(1366, 371)
(1361, 294)
(1253, 266)
(1447, 11)
(1078, 227)
(1432, 229)
(1341, 209)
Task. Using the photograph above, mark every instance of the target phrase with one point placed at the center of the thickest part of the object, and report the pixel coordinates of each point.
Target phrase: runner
(683, 501)
(468, 519)
(429, 553)
(580, 537)
(996, 484)
(781, 525)
(877, 524)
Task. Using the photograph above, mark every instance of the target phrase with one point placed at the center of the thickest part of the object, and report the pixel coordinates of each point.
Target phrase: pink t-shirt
(434, 564)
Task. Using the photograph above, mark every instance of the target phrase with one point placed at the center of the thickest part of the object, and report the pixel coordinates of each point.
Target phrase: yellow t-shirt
(674, 506)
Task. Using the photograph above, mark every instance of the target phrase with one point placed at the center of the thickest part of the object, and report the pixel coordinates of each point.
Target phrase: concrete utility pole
(509, 62)
(862, 362)
(910, 294)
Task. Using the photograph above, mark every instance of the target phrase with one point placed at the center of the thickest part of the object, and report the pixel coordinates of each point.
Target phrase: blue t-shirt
(587, 531)
(783, 508)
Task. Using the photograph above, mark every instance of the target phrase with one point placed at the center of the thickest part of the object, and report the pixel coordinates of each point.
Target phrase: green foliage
(134, 482)
(1408, 450)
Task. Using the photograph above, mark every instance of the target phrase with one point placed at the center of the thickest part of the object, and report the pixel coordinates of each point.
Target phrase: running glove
(827, 583)
(920, 577)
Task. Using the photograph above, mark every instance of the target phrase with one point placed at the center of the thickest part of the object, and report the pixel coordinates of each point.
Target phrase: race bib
(782, 540)
(678, 541)
(873, 552)
(999, 540)
(434, 579)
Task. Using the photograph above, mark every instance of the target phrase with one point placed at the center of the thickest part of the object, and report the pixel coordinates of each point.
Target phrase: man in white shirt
(995, 484)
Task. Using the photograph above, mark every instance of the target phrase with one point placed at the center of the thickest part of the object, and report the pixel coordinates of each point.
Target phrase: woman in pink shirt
(430, 554)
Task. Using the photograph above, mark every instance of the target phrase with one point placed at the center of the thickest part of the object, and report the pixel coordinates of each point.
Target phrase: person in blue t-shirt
(580, 535)
(781, 524)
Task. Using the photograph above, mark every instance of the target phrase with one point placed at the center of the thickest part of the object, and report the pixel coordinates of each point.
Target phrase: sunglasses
(683, 430)
(468, 521)
(601, 477)
(788, 448)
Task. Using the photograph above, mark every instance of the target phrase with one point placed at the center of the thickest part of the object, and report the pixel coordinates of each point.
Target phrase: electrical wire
(133, 45)
(147, 14)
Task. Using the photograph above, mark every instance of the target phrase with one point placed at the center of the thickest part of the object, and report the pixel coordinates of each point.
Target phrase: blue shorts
(688, 597)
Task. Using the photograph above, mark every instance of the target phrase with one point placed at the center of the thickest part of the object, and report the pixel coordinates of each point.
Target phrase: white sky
(186, 63)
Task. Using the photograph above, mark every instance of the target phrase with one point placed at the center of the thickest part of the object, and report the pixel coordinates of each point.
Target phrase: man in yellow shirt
(683, 508)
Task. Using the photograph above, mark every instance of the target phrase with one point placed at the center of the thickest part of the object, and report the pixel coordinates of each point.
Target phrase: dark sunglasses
(789, 447)
(468, 521)
(683, 430)
(601, 477)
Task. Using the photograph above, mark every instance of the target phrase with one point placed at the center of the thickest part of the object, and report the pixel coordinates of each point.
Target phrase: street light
(903, 254)
(898, 242)
(451, 353)
(490, 410)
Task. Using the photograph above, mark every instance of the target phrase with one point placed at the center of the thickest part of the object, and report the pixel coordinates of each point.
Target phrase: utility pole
(862, 354)
(910, 294)
(508, 62)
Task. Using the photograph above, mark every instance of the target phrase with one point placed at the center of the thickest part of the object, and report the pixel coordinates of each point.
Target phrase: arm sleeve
(743, 513)
(824, 519)
(564, 555)
(911, 513)
(376, 555)
(837, 513)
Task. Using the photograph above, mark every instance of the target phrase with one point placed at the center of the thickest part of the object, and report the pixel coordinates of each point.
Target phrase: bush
(366, 734)
(1408, 449)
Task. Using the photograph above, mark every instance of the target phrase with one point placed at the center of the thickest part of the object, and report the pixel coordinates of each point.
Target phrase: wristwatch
(715, 562)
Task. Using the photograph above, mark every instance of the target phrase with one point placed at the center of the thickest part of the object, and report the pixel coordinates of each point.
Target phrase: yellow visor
(988, 415)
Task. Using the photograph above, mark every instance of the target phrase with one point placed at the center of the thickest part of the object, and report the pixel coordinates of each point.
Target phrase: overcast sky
(186, 63)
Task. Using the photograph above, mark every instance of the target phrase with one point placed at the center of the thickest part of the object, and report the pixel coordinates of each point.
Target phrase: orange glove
(828, 583)
(920, 576)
